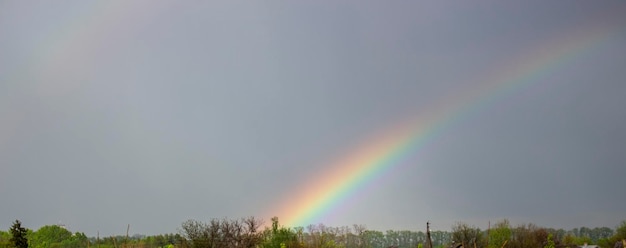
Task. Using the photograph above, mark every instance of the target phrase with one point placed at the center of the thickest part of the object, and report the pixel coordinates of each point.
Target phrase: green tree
(619, 236)
(18, 235)
(582, 240)
(77, 240)
(500, 234)
(602, 233)
(4, 239)
(568, 240)
(278, 236)
(550, 243)
(50, 235)
(620, 232)
(373, 238)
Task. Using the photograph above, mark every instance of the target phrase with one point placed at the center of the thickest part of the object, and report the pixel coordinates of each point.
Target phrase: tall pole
(126, 240)
(430, 242)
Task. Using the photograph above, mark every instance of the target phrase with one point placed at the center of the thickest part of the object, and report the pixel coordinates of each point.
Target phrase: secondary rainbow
(68, 49)
(320, 197)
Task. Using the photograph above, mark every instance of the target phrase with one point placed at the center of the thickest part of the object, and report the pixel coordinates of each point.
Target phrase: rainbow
(86, 36)
(323, 195)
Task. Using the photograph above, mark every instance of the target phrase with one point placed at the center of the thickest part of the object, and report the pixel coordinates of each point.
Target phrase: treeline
(250, 232)
(56, 236)
(217, 233)
(502, 234)
(139, 241)
(245, 233)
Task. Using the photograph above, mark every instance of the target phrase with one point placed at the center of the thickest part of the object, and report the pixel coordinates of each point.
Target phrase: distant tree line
(251, 233)
(502, 234)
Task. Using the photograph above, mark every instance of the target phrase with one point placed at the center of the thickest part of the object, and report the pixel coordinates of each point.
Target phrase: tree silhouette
(18, 234)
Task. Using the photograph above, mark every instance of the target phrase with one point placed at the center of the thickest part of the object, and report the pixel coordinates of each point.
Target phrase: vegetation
(467, 236)
(57, 236)
(499, 235)
(18, 235)
(242, 233)
(247, 233)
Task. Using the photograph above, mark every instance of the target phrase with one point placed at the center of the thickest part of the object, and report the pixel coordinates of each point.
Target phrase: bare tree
(468, 236)
(223, 233)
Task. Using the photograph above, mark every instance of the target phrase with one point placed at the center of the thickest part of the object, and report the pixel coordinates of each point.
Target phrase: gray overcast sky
(150, 113)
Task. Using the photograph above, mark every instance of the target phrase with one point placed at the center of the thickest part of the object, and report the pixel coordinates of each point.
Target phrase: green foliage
(582, 240)
(568, 240)
(620, 232)
(500, 234)
(56, 236)
(618, 239)
(18, 235)
(5, 239)
(550, 243)
(243, 234)
(139, 241)
(440, 238)
(280, 237)
(48, 236)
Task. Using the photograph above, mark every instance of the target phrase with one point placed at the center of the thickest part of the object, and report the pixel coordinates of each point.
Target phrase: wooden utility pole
(126, 240)
(430, 242)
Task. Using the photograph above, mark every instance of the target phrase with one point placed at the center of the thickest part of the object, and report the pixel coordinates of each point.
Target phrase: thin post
(430, 242)
(126, 240)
